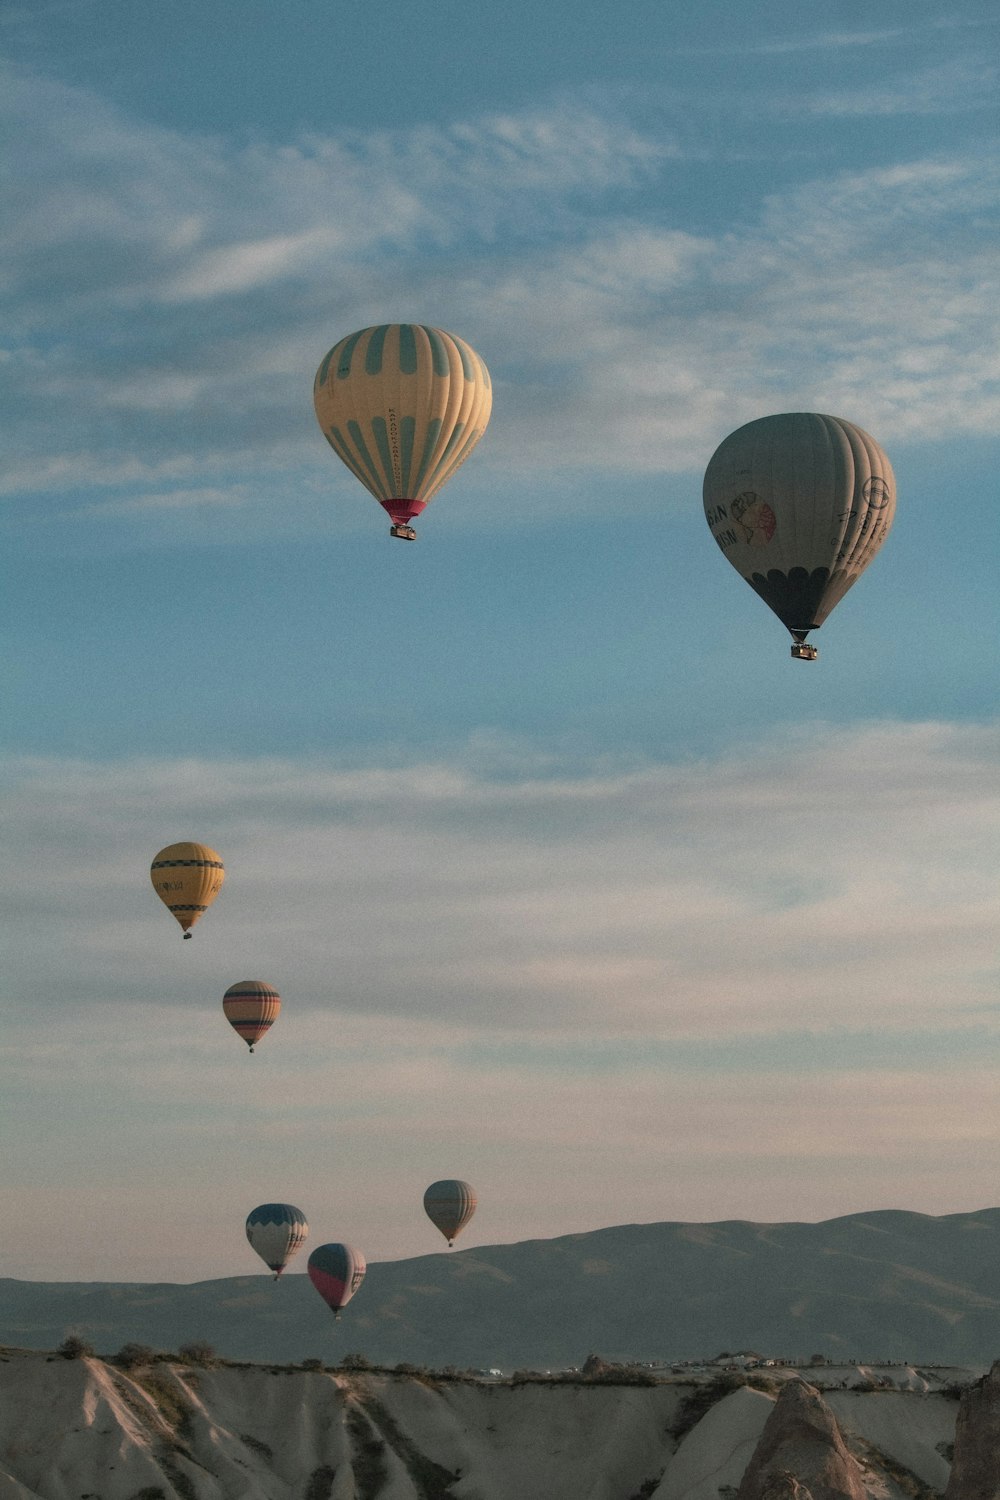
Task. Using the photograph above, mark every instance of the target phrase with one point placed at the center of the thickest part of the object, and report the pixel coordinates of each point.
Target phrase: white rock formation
(87, 1430)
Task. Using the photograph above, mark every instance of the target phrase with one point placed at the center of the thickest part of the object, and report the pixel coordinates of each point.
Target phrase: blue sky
(575, 886)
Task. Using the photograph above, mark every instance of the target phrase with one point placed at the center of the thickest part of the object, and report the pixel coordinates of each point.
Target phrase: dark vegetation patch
(608, 1375)
(320, 1483)
(701, 1400)
(169, 1399)
(75, 1348)
(368, 1455)
(647, 1488)
(181, 1482)
(430, 1480)
(132, 1356)
(198, 1353)
(256, 1446)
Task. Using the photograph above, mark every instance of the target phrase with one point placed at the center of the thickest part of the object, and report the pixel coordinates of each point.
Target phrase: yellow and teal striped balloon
(403, 405)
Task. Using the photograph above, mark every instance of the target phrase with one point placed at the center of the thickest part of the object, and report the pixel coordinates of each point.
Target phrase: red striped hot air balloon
(251, 1008)
(403, 405)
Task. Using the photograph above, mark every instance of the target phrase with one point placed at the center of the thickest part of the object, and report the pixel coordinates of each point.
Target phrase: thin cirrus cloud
(630, 902)
(207, 280)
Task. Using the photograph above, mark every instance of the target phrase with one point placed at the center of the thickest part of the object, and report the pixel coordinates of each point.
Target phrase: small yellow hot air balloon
(403, 405)
(187, 878)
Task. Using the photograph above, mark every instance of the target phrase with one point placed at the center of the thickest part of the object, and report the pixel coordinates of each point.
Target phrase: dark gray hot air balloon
(800, 503)
(449, 1205)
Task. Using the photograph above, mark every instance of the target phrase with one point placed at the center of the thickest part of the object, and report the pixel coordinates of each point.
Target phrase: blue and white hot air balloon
(277, 1231)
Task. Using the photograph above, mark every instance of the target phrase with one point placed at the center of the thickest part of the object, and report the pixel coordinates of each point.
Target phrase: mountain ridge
(885, 1284)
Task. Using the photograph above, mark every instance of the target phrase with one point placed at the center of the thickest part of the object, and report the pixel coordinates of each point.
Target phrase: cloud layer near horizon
(579, 974)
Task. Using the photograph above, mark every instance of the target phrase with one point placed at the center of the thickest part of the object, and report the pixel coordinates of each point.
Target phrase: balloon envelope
(277, 1231)
(403, 405)
(336, 1271)
(251, 1007)
(187, 878)
(449, 1205)
(800, 503)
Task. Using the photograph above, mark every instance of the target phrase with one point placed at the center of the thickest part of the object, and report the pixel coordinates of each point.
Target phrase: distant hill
(878, 1286)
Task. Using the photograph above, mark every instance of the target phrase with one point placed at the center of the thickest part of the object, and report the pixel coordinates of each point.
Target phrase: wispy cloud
(945, 88)
(593, 901)
(171, 296)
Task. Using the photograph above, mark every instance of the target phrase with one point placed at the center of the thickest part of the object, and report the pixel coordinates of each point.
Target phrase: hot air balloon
(251, 1008)
(449, 1205)
(277, 1231)
(403, 405)
(336, 1271)
(800, 504)
(187, 878)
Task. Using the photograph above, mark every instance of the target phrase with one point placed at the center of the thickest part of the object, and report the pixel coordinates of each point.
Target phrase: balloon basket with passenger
(405, 533)
(803, 651)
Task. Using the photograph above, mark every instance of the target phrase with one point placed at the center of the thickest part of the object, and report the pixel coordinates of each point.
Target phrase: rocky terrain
(91, 1429)
(874, 1286)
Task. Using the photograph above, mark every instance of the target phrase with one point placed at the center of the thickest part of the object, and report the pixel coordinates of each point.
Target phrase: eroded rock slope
(88, 1430)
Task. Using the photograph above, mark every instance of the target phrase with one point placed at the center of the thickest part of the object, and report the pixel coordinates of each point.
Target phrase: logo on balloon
(875, 492)
(754, 517)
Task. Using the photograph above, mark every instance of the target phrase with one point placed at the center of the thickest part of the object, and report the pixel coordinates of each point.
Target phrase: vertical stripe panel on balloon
(323, 370)
(380, 434)
(376, 346)
(423, 410)
(340, 446)
(452, 390)
(470, 439)
(395, 407)
(433, 430)
(467, 357)
(442, 468)
(406, 430)
(407, 349)
(374, 483)
(346, 355)
(439, 350)
(837, 540)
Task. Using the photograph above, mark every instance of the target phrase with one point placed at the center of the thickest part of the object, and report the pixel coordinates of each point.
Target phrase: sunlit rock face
(801, 1454)
(975, 1473)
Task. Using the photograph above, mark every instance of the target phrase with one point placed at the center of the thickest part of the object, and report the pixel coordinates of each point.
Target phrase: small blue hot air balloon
(277, 1231)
